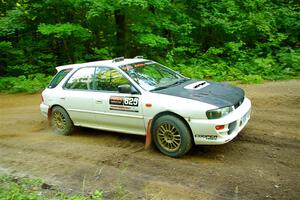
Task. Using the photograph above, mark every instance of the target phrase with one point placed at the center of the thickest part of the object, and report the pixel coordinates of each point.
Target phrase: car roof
(104, 63)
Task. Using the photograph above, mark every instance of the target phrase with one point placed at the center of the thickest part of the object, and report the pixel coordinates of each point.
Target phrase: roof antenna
(119, 59)
(139, 57)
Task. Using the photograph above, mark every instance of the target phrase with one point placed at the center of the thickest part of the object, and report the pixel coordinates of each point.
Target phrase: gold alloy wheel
(168, 137)
(59, 121)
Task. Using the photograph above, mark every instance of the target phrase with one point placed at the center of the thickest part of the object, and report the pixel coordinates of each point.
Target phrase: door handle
(99, 101)
(63, 98)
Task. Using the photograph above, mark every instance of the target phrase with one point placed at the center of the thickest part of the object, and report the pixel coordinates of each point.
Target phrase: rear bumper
(44, 109)
(204, 131)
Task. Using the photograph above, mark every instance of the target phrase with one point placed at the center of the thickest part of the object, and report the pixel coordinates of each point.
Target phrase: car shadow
(215, 152)
(89, 132)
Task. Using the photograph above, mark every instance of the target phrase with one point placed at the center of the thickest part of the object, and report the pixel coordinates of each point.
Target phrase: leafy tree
(72, 37)
(246, 40)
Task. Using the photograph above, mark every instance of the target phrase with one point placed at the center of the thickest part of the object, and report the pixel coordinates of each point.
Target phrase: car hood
(214, 93)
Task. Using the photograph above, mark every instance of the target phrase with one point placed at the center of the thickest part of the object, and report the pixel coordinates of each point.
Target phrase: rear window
(58, 77)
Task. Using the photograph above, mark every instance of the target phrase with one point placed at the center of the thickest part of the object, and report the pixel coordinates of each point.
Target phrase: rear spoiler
(59, 68)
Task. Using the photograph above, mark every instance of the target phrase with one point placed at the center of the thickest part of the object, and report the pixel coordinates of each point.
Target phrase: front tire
(171, 136)
(61, 122)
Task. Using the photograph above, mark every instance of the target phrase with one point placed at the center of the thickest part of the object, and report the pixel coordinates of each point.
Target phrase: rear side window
(81, 79)
(58, 77)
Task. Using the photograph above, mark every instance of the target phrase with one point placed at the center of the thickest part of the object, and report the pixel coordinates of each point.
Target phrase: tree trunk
(67, 50)
(121, 33)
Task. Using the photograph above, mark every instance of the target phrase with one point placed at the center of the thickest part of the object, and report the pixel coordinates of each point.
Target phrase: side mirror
(126, 88)
(178, 72)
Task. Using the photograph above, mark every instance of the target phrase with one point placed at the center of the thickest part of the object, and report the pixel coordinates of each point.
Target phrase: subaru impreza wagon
(143, 97)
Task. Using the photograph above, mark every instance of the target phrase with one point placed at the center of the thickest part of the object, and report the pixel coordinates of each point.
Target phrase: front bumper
(204, 130)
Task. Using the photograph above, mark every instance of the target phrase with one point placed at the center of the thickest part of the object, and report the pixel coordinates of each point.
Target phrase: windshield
(152, 76)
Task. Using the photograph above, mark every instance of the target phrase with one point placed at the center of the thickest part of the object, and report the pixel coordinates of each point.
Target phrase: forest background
(247, 40)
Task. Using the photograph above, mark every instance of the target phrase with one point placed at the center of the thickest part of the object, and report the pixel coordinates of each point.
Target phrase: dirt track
(263, 162)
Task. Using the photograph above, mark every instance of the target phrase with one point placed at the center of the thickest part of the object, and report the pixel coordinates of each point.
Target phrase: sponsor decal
(207, 137)
(116, 100)
(128, 67)
(139, 65)
(129, 104)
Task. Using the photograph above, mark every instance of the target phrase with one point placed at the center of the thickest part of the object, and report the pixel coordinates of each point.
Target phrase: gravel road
(263, 162)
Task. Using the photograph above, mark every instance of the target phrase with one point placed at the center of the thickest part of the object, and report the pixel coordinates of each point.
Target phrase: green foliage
(32, 189)
(103, 53)
(289, 60)
(25, 69)
(252, 79)
(71, 36)
(5, 46)
(62, 31)
(11, 23)
(152, 40)
(18, 189)
(214, 39)
(7, 52)
(30, 84)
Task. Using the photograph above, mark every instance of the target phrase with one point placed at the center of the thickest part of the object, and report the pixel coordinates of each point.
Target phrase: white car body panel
(92, 109)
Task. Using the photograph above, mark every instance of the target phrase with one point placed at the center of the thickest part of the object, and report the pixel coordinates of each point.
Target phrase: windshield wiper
(180, 81)
(159, 88)
(173, 84)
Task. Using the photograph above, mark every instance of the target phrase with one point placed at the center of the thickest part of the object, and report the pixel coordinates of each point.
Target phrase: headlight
(218, 113)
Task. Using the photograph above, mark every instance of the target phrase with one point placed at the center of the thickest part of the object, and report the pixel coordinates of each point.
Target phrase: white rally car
(143, 97)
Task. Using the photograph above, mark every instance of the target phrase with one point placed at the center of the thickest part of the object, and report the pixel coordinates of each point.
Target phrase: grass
(15, 188)
(12, 188)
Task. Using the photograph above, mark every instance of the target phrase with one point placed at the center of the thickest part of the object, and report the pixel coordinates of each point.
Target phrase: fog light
(220, 127)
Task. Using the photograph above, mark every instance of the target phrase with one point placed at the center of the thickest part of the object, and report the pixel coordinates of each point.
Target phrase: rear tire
(61, 122)
(171, 136)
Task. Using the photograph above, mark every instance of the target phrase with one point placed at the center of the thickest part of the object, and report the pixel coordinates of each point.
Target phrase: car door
(123, 111)
(78, 97)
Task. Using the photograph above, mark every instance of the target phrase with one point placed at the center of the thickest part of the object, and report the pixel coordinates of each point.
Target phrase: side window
(58, 77)
(81, 79)
(108, 79)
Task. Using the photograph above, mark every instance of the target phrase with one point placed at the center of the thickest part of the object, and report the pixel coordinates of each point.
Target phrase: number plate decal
(129, 104)
(243, 120)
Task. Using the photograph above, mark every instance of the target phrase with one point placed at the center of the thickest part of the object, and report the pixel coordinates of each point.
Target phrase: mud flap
(148, 135)
(49, 114)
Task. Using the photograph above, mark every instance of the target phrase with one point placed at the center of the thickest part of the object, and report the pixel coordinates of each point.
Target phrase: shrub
(252, 79)
(30, 84)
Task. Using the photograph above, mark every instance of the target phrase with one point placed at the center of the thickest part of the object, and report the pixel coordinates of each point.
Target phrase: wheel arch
(51, 108)
(175, 115)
